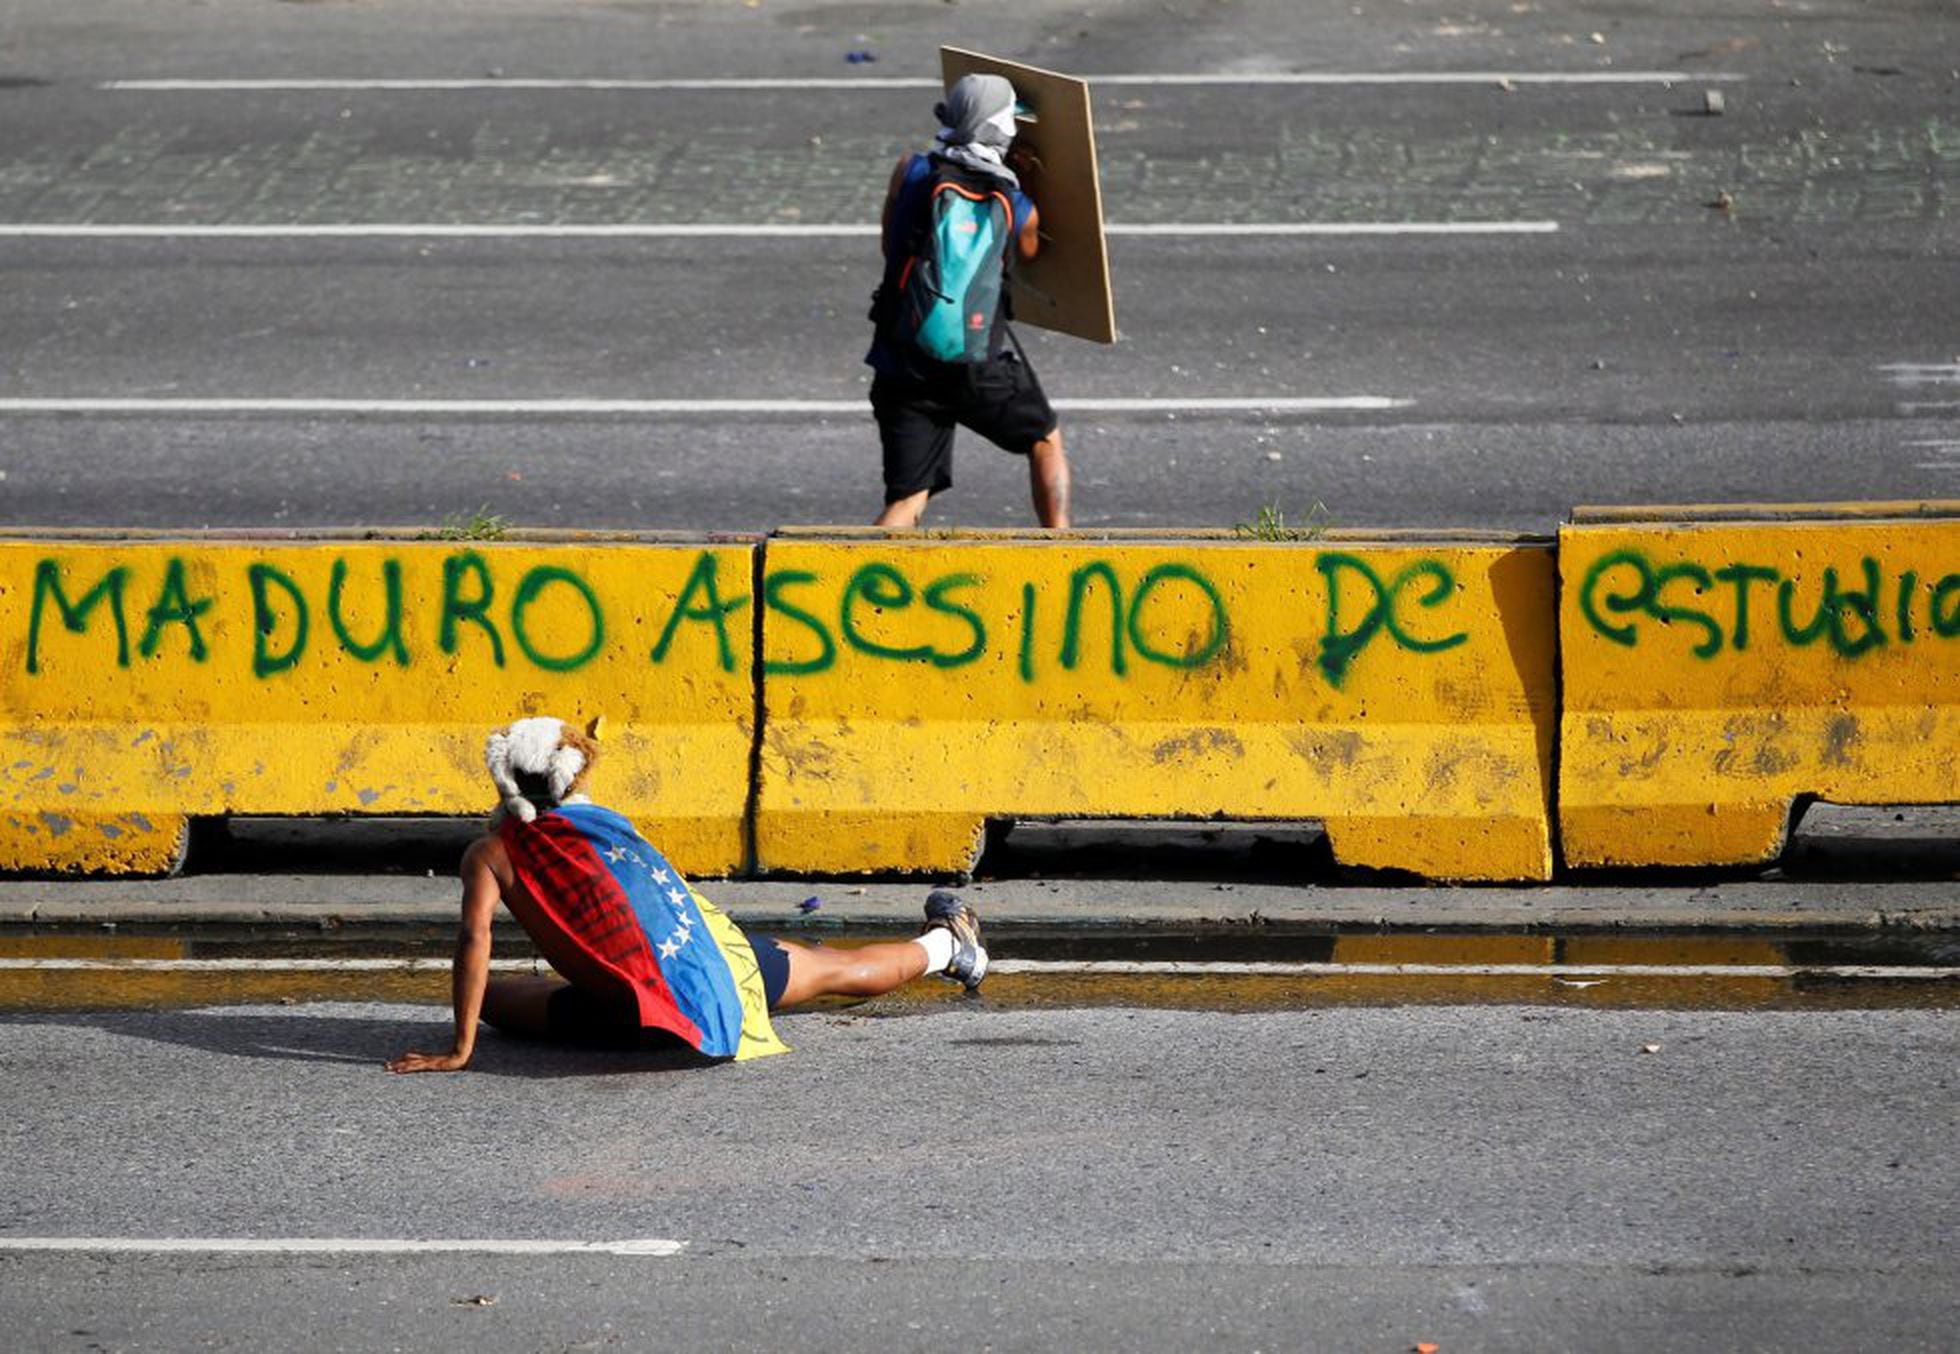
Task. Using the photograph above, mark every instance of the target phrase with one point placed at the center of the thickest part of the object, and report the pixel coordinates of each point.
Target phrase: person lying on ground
(642, 958)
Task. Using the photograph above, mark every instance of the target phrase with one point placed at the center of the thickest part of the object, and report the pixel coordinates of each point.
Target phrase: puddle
(1229, 970)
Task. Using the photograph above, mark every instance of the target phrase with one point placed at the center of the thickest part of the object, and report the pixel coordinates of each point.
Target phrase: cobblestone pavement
(1622, 157)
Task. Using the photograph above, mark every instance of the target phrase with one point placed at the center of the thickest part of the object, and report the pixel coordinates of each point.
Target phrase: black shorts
(1001, 399)
(577, 1016)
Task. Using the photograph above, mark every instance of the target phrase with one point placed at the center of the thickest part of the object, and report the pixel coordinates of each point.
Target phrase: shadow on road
(314, 1038)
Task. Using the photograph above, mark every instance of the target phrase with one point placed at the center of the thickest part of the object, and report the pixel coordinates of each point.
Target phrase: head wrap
(977, 125)
(542, 748)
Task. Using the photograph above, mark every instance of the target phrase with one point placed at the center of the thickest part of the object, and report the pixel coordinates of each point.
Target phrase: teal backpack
(950, 301)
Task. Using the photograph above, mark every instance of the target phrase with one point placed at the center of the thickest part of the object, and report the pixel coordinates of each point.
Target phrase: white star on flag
(661, 877)
(668, 949)
(616, 854)
(676, 897)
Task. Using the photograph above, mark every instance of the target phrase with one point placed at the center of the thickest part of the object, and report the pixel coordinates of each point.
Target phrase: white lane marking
(1229, 228)
(1083, 967)
(732, 230)
(56, 964)
(1922, 373)
(1171, 967)
(306, 1245)
(892, 82)
(1277, 404)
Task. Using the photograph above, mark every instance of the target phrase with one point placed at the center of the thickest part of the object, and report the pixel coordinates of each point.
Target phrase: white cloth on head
(532, 747)
(977, 118)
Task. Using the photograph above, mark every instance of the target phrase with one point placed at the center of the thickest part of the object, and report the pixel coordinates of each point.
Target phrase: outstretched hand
(429, 1062)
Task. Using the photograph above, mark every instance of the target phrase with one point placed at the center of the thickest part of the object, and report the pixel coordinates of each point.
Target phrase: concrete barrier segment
(915, 686)
(1719, 674)
(145, 682)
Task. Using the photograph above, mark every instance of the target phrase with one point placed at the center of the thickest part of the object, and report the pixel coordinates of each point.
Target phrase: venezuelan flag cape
(615, 898)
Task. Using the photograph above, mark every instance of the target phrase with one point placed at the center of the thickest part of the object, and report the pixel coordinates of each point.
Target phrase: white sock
(938, 945)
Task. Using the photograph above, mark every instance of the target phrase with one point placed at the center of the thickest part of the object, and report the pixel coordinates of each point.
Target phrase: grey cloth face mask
(977, 118)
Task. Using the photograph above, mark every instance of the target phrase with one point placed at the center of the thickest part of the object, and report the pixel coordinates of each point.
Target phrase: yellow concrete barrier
(1721, 666)
(144, 682)
(1400, 690)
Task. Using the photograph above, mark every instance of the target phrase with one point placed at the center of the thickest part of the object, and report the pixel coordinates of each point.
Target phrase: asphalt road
(1595, 330)
(1638, 344)
(1494, 1178)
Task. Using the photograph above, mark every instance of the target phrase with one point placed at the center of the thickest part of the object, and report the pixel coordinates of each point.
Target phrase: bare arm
(1029, 237)
(891, 200)
(469, 972)
(1023, 161)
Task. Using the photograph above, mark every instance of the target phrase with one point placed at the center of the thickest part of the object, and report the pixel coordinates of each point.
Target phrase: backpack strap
(1010, 250)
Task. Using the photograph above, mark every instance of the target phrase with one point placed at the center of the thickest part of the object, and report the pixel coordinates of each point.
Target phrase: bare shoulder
(487, 853)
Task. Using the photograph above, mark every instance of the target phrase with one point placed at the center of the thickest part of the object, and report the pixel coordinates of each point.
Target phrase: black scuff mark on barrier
(752, 802)
(1839, 737)
(1197, 744)
(1554, 750)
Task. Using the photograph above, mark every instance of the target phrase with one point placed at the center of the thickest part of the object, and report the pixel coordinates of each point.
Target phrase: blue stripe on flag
(691, 962)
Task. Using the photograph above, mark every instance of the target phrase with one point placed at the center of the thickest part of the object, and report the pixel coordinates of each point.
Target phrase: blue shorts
(773, 960)
(574, 1014)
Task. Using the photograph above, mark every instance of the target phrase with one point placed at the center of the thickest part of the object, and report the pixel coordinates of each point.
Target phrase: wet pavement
(1232, 917)
(62, 969)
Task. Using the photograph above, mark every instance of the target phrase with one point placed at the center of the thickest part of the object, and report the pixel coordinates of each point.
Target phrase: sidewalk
(1076, 904)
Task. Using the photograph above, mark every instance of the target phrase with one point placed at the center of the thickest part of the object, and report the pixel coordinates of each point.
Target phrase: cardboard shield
(1066, 286)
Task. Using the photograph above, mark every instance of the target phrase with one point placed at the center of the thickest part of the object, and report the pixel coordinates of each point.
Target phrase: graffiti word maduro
(286, 620)
(1169, 614)
(1852, 615)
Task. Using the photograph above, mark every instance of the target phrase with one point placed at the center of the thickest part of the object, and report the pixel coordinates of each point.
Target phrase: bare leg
(1048, 474)
(517, 1006)
(869, 971)
(904, 512)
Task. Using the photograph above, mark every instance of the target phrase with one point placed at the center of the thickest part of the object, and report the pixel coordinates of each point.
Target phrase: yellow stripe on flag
(758, 1035)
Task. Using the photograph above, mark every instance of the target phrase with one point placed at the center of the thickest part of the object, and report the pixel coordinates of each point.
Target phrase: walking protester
(955, 222)
(644, 960)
